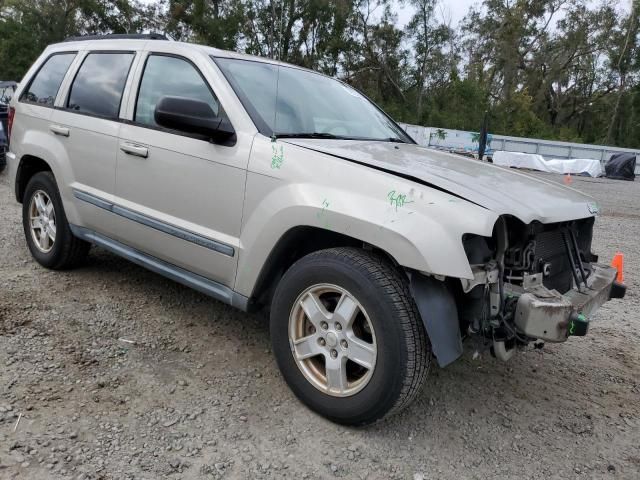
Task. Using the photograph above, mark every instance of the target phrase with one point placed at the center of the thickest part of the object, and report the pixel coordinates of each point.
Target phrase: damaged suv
(265, 185)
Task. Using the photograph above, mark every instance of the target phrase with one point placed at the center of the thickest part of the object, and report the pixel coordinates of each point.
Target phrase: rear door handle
(58, 130)
(135, 150)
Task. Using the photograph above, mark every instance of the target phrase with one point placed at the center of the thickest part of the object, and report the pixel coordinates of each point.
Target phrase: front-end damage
(523, 271)
(533, 282)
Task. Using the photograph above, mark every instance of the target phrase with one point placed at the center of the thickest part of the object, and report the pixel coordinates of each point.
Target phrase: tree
(433, 64)
(557, 69)
(625, 49)
(28, 26)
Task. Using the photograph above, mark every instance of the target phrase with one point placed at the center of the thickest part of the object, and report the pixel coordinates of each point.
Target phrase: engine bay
(524, 277)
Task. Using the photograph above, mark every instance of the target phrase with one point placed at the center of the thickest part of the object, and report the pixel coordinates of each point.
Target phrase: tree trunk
(631, 32)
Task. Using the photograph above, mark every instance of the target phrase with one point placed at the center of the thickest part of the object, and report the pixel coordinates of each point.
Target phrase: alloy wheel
(332, 340)
(42, 221)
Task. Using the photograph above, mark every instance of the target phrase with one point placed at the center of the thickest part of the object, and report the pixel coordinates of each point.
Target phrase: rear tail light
(12, 112)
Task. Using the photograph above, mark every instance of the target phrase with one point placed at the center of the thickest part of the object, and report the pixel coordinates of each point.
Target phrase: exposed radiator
(550, 249)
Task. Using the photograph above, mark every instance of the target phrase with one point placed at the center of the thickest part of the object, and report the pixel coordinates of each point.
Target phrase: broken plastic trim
(572, 261)
(439, 313)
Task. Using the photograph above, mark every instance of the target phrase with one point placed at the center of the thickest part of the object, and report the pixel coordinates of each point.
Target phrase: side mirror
(192, 116)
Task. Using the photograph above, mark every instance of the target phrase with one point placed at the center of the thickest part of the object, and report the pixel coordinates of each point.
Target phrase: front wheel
(347, 336)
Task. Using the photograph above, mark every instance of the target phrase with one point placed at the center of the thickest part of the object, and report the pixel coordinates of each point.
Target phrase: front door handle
(135, 150)
(58, 130)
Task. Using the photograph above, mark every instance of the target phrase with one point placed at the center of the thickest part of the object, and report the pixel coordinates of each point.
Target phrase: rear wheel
(347, 336)
(46, 228)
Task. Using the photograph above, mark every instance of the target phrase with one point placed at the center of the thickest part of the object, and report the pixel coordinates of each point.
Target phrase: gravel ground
(112, 372)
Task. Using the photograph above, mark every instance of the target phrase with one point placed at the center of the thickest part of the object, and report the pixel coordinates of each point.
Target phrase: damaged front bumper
(547, 315)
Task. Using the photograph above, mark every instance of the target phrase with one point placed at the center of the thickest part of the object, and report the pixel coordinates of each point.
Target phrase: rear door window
(46, 83)
(99, 83)
(170, 77)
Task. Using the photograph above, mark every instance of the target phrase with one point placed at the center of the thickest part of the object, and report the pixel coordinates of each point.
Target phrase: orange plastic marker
(618, 264)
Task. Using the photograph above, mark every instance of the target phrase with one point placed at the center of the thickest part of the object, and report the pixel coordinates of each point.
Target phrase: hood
(501, 190)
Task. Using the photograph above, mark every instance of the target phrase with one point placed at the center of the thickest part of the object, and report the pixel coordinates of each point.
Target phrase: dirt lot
(198, 394)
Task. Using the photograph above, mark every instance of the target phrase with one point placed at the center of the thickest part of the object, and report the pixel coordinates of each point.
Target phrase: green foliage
(556, 69)
(438, 135)
(458, 104)
(28, 26)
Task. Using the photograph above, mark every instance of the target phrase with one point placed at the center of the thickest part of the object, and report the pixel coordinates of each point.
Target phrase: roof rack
(118, 36)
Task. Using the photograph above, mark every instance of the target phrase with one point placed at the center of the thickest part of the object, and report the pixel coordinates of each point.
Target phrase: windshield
(287, 101)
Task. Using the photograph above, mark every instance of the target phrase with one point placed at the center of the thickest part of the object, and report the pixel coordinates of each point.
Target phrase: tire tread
(73, 250)
(395, 285)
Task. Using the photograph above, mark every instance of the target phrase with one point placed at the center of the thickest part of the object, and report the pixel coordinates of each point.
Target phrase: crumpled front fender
(419, 226)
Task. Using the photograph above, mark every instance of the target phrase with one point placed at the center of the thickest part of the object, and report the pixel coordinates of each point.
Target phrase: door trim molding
(155, 224)
(185, 277)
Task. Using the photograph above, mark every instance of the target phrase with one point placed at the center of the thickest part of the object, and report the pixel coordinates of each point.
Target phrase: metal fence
(459, 140)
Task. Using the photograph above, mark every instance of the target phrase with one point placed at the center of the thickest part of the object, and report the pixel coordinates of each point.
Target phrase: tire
(383, 302)
(64, 250)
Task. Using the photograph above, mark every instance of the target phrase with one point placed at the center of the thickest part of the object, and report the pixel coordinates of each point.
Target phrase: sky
(454, 9)
(449, 9)
(457, 9)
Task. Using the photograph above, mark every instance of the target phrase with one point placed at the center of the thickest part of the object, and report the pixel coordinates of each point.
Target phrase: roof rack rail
(118, 36)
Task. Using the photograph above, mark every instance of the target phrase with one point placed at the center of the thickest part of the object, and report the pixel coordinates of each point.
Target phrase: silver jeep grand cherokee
(262, 184)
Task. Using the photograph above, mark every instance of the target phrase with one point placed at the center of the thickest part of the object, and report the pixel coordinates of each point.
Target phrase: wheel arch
(28, 166)
(292, 246)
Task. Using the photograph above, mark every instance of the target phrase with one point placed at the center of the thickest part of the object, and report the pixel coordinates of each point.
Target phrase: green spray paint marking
(322, 214)
(397, 199)
(572, 328)
(277, 157)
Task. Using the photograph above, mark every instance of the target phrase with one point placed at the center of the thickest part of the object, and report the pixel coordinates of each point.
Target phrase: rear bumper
(548, 315)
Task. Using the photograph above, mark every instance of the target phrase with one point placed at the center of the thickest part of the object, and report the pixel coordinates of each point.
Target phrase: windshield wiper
(394, 140)
(330, 136)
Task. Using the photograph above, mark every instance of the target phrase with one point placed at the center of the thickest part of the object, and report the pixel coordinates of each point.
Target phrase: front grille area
(550, 249)
(540, 248)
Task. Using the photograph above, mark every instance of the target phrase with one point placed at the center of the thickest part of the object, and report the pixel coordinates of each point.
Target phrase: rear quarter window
(99, 83)
(44, 86)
